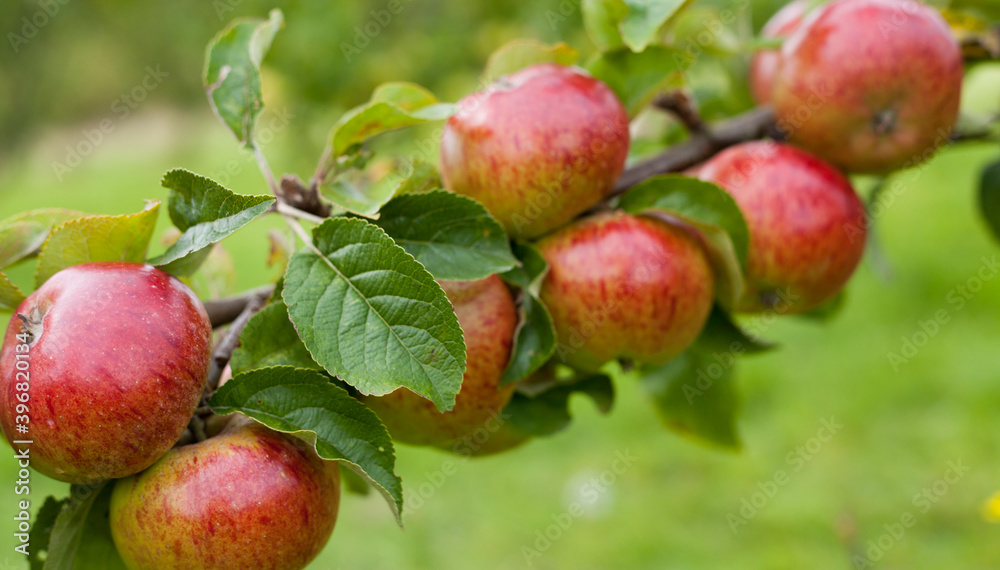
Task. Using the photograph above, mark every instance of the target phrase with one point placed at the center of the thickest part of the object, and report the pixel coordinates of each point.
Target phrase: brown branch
(224, 311)
(753, 124)
(224, 349)
(682, 105)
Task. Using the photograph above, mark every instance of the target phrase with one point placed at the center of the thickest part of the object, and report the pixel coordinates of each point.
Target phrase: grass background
(668, 510)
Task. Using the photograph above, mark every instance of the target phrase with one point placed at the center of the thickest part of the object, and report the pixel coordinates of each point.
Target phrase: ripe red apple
(869, 85)
(807, 225)
(537, 147)
(488, 316)
(249, 497)
(115, 368)
(624, 286)
(765, 62)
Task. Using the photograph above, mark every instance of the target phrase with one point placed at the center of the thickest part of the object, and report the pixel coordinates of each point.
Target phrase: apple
(765, 62)
(871, 86)
(249, 497)
(807, 224)
(537, 148)
(116, 365)
(624, 286)
(488, 316)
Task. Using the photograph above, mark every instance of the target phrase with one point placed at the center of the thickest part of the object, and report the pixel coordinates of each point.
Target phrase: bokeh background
(903, 429)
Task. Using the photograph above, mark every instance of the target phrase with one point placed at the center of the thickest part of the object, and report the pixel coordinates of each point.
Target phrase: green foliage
(306, 404)
(521, 53)
(269, 339)
(535, 336)
(97, 238)
(371, 315)
(547, 413)
(22, 235)
(205, 212)
(10, 295)
(637, 77)
(989, 197)
(453, 236)
(41, 531)
(80, 533)
(633, 23)
(232, 72)
(721, 334)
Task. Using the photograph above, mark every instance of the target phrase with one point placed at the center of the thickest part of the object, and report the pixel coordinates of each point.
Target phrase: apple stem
(224, 350)
(224, 311)
(681, 104)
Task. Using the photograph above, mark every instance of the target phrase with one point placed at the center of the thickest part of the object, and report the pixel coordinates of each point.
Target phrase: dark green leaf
(305, 403)
(41, 531)
(97, 238)
(232, 72)
(521, 53)
(535, 337)
(81, 536)
(828, 310)
(10, 295)
(269, 339)
(989, 197)
(712, 212)
(373, 316)
(722, 335)
(453, 236)
(695, 396)
(637, 77)
(548, 412)
(22, 235)
(205, 212)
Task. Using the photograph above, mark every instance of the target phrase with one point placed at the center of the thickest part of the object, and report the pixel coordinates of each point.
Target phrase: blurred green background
(672, 507)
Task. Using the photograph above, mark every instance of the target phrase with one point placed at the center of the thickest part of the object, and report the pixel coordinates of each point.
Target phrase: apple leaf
(81, 534)
(645, 18)
(535, 336)
(695, 396)
(232, 72)
(41, 531)
(205, 212)
(989, 197)
(359, 196)
(548, 412)
(828, 310)
(637, 77)
(520, 53)
(23, 234)
(601, 18)
(422, 177)
(269, 339)
(453, 236)
(97, 238)
(10, 295)
(373, 316)
(353, 482)
(306, 404)
(710, 211)
(721, 335)
(392, 106)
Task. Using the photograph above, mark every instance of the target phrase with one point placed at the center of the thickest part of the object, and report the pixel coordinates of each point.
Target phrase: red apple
(624, 286)
(807, 225)
(537, 147)
(488, 316)
(765, 62)
(249, 497)
(870, 85)
(116, 366)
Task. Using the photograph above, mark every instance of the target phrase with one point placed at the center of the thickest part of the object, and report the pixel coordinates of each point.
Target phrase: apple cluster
(858, 86)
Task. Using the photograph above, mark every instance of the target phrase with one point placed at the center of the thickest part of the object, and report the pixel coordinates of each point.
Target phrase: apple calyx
(32, 324)
(884, 122)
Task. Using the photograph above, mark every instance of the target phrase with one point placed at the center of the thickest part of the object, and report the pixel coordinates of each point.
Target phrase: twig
(265, 169)
(224, 349)
(224, 311)
(682, 105)
(295, 194)
(283, 208)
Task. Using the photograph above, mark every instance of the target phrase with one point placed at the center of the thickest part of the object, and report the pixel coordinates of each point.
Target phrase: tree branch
(224, 349)
(224, 311)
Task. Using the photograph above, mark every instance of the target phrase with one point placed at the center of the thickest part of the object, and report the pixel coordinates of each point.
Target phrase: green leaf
(644, 20)
(370, 314)
(41, 531)
(535, 336)
(206, 212)
(712, 212)
(353, 482)
(359, 196)
(637, 77)
(453, 236)
(269, 339)
(97, 238)
(23, 234)
(232, 72)
(722, 335)
(422, 177)
(989, 197)
(521, 53)
(828, 310)
(305, 403)
(392, 106)
(10, 295)
(81, 535)
(695, 396)
(601, 18)
(548, 412)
